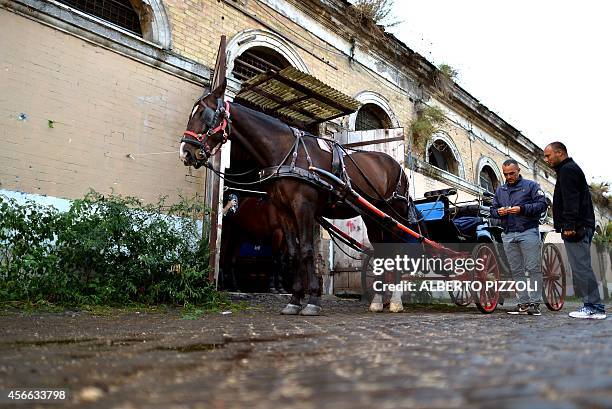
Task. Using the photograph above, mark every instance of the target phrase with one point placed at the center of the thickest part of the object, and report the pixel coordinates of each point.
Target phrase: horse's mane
(267, 120)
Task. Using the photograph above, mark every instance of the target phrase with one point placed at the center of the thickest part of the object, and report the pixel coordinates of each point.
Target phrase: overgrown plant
(600, 192)
(604, 239)
(444, 79)
(376, 14)
(106, 250)
(428, 120)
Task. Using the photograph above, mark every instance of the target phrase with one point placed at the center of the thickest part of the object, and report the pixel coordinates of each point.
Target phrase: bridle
(216, 121)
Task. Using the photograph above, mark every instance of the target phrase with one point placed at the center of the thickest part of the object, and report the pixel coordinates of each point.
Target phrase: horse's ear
(219, 92)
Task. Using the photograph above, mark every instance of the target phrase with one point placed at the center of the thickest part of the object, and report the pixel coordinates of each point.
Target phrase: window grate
(370, 117)
(118, 12)
(488, 180)
(257, 60)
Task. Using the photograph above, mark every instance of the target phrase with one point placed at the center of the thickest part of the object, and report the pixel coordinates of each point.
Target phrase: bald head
(555, 153)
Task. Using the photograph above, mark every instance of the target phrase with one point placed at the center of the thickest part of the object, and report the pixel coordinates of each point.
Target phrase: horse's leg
(396, 305)
(277, 244)
(379, 236)
(375, 235)
(305, 221)
(297, 292)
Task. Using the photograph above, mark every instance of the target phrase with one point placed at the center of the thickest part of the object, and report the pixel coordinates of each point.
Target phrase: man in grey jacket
(519, 204)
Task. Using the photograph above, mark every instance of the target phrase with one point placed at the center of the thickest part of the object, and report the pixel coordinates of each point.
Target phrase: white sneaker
(588, 313)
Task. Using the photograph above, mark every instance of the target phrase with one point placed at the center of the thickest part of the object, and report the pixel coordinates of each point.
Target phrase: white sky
(544, 66)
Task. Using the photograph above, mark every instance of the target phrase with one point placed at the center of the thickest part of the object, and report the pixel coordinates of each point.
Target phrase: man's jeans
(523, 250)
(585, 283)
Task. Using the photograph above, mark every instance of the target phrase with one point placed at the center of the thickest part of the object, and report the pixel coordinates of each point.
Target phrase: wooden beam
(308, 91)
(373, 142)
(281, 103)
(292, 102)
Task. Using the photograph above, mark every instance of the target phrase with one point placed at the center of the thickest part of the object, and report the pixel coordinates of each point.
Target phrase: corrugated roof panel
(296, 97)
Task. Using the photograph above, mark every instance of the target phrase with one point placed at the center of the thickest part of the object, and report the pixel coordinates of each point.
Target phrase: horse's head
(207, 129)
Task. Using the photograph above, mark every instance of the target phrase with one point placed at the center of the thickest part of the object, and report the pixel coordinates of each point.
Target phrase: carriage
(468, 222)
(307, 183)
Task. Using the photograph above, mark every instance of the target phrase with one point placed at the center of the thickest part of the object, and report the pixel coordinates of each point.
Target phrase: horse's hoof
(396, 307)
(376, 307)
(291, 309)
(311, 310)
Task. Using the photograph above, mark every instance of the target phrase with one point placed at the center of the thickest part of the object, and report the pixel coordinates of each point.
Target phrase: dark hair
(509, 162)
(558, 146)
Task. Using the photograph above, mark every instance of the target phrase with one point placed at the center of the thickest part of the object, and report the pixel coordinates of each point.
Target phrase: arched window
(441, 156)
(371, 116)
(118, 12)
(488, 179)
(257, 60)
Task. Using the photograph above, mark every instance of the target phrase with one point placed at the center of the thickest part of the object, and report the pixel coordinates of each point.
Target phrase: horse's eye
(208, 116)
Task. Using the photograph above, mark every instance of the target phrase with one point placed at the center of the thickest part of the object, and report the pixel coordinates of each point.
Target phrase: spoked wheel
(487, 298)
(553, 277)
(367, 278)
(461, 297)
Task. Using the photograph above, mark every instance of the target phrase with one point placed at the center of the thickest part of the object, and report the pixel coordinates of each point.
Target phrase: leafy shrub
(108, 250)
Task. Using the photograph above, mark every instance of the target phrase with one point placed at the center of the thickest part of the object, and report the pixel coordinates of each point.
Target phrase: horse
(255, 220)
(293, 190)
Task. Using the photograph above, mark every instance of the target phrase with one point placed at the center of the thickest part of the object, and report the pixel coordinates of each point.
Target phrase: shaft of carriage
(362, 206)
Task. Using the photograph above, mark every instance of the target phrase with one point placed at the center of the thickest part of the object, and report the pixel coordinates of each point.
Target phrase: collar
(518, 182)
(563, 163)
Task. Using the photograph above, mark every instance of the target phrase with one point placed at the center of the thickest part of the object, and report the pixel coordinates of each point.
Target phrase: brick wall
(104, 107)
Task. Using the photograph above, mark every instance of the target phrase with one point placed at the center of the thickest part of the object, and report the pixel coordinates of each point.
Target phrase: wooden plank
(214, 244)
(265, 77)
(294, 101)
(280, 101)
(219, 72)
(308, 91)
(374, 141)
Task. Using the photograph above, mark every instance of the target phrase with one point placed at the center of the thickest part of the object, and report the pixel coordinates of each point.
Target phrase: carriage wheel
(553, 277)
(367, 277)
(486, 299)
(462, 297)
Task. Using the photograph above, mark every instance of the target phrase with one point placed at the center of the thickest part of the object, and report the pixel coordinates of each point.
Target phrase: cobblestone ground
(442, 357)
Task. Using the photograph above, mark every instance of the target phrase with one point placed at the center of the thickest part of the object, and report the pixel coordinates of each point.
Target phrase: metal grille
(370, 117)
(257, 60)
(118, 12)
(488, 180)
(437, 159)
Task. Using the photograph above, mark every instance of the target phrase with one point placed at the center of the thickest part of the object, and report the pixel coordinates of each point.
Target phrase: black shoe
(534, 309)
(520, 309)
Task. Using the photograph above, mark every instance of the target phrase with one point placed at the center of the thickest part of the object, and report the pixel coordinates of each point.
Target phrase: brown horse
(256, 220)
(376, 176)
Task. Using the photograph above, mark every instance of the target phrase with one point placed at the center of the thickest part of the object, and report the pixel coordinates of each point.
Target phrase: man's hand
(568, 234)
(502, 211)
(514, 210)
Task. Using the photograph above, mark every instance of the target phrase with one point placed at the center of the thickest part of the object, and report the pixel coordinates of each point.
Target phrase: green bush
(106, 250)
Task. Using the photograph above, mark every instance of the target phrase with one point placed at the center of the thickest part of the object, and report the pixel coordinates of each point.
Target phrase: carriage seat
(467, 224)
(431, 211)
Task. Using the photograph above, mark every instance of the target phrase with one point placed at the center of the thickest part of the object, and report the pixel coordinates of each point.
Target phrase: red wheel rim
(462, 297)
(553, 274)
(488, 299)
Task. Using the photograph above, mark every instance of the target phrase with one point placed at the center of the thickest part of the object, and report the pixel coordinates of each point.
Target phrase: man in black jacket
(574, 218)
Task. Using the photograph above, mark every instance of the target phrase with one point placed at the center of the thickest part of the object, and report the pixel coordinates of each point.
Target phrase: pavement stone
(426, 357)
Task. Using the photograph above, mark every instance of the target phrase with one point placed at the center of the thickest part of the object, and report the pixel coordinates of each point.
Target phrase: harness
(216, 121)
(283, 171)
(219, 121)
